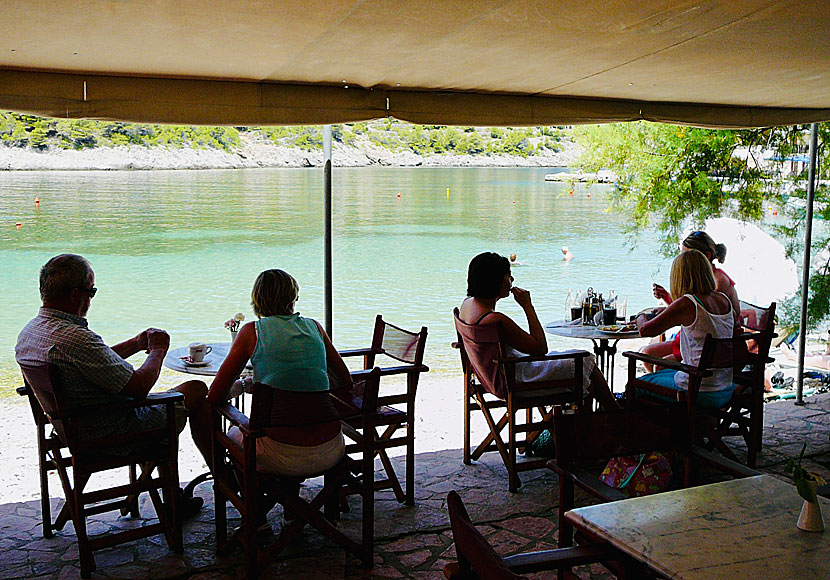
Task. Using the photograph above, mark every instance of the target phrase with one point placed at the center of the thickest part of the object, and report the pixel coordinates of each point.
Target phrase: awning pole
(327, 258)
(805, 274)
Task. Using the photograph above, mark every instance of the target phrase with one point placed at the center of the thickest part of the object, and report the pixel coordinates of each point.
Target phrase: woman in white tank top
(699, 312)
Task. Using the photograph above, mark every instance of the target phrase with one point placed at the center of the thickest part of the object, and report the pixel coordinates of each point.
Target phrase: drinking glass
(621, 308)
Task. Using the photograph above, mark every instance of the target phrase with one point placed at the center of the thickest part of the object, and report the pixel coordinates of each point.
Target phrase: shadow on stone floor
(411, 542)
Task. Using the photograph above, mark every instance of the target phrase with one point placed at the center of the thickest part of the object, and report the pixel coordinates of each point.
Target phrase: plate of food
(630, 328)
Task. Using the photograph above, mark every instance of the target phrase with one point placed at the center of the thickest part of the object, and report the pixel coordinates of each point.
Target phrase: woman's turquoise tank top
(290, 354)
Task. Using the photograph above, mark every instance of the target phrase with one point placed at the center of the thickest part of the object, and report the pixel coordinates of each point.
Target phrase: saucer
(188, 363)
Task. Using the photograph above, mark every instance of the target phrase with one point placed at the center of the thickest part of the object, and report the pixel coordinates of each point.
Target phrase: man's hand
(157, 339)
(521, 296)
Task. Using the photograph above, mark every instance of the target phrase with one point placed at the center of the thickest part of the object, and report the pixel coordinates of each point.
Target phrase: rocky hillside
(33, 143)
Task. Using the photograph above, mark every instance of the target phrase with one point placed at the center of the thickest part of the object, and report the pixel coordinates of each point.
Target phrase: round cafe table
(173, 360)
(605, 343)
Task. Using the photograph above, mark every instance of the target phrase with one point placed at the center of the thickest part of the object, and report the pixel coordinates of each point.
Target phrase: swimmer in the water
(568, 255)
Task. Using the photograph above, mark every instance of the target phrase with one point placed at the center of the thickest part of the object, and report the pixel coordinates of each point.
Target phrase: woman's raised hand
(521, 296)
(661, 293)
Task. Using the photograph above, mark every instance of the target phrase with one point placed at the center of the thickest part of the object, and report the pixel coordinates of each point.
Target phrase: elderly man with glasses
(92, 372)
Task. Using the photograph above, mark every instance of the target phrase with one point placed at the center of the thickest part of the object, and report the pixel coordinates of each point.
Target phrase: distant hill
(28, 142)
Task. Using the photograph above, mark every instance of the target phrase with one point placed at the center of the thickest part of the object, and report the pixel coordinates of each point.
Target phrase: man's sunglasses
(91, 291)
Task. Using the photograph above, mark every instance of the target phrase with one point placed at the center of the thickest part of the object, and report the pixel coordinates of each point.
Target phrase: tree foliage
(670, 176)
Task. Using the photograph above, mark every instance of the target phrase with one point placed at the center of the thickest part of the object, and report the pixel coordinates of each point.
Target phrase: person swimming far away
(568, 255)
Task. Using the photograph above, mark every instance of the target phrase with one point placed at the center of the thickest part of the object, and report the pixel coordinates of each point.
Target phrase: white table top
(742, 529)
(215, 357)
(563, 328)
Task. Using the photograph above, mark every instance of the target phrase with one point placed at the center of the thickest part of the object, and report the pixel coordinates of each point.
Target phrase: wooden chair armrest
(551, 559)
(360, 375)
(588, 481)
(23, 391)
(388, 371)
(720, 462)
(674, 394)
(665, 363)
(541, 357)
(347, 403)
(359, 352)
(238, 419)
(455, 344)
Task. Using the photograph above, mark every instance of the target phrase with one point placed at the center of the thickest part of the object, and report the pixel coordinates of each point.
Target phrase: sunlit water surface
(180, 249)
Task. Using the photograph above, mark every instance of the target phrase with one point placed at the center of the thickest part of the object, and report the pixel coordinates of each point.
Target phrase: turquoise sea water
(180, 249)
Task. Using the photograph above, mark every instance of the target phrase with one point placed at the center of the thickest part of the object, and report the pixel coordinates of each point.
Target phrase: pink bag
(649, 473)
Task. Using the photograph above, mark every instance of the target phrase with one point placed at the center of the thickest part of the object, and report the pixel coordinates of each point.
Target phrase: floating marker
(448, 193)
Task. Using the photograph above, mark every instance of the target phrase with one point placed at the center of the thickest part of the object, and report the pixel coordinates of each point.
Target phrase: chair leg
(512, 447)
(220, 517)
(45, 506)
(467, 411)
(249, 525)
(131, 506)
(410, 461)
(79, 520)
(368, 506)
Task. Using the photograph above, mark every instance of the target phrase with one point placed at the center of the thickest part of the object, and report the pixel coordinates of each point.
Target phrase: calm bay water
(181, 249)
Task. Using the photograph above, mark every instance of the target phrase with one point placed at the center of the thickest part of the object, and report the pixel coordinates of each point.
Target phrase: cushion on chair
(473, 547)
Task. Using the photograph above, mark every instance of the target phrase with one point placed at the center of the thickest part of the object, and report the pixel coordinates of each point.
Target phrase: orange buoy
(775, 212)
(571, 192)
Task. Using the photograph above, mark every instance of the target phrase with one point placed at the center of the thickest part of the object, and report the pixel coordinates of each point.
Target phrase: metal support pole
(805, 274)
(327, 242)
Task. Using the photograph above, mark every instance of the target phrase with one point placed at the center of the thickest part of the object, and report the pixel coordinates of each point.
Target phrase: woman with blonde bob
(294, 356)
(699, 310)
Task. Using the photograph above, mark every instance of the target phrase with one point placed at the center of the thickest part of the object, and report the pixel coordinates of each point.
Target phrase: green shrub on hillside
(38, 133)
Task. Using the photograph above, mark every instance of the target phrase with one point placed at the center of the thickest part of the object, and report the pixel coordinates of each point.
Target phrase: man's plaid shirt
(90, 372)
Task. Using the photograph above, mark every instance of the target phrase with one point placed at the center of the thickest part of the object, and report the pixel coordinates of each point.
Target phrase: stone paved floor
(412, 542)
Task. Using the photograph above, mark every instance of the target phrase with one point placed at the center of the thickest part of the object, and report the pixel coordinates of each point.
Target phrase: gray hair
(61, 274)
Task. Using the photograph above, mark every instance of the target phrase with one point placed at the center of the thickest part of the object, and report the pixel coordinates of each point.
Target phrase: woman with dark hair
(488, 281)
(703, 243)
(293, 355)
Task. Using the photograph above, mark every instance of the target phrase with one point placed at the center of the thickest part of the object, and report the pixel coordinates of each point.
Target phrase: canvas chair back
(481, 344)
(42, 380)
(752, 356)
(399, 343)
(756, 317)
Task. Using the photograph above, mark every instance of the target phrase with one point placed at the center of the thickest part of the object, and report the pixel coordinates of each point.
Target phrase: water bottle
(568, 300)
(587, 306)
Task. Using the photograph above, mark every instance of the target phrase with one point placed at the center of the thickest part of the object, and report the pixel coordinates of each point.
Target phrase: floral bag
(638, 475)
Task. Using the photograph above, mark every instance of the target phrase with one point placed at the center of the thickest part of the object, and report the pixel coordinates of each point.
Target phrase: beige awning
(476, 62)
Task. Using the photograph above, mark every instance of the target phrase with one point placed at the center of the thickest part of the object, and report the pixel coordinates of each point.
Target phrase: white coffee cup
(198, 350)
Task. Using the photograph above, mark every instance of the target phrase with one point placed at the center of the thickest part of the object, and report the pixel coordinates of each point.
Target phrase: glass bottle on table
(575, 307)
(609, 309)
(587, 307)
